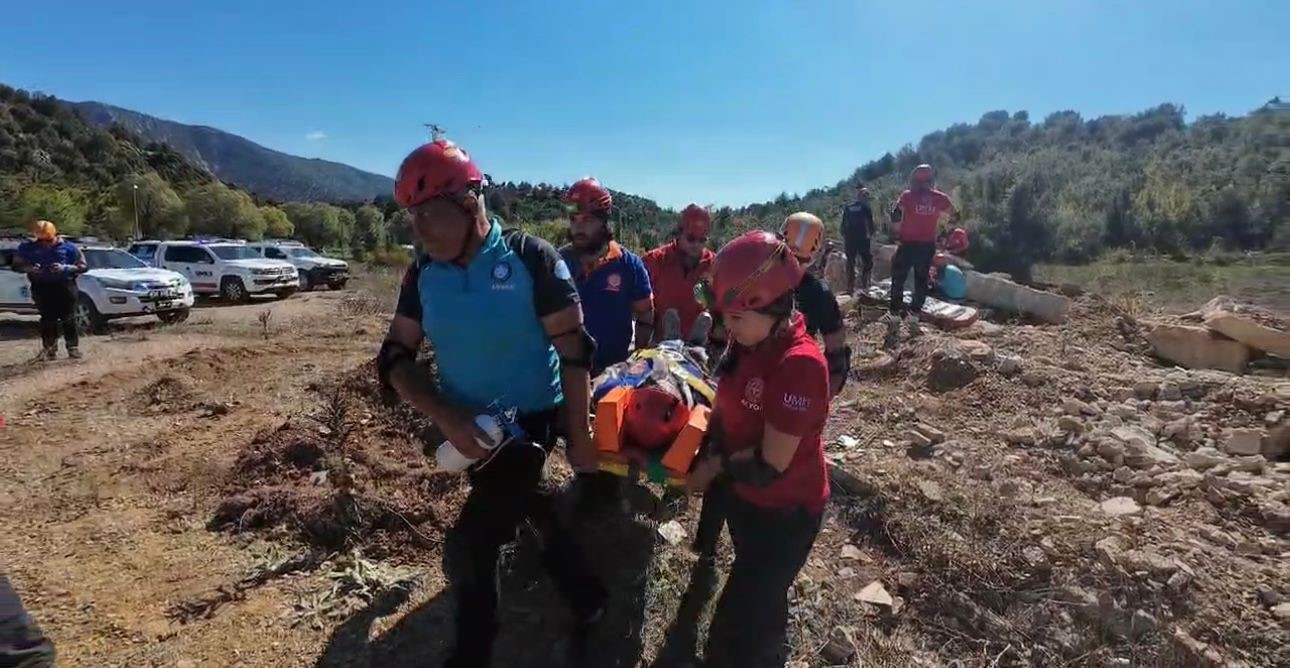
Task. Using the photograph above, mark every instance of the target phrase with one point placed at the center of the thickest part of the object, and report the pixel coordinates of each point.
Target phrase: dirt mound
(169, 394)
(351, 475)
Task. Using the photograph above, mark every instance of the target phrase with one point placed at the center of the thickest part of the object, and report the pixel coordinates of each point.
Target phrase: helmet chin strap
(471, 233)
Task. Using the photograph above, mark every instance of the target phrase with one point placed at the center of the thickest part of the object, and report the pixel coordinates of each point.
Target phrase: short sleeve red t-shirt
(922, 214)
(673, 283)
(783, 383)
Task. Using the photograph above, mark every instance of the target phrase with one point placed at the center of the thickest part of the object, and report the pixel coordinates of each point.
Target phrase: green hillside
(266, 173)
(1064, 189)
(1067, 188)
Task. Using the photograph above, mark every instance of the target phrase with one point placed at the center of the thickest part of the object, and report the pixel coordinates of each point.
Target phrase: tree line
(1064, 189)
(1067, 189)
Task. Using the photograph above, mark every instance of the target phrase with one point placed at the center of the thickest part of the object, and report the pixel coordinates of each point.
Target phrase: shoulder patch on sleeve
(561, 270)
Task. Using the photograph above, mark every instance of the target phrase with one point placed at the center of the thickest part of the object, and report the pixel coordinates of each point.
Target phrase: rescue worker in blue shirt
(52, 265)
(503, 317)
(612, 282)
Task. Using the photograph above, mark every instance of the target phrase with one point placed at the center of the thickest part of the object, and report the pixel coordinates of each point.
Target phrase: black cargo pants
(56, 303)
(750, 626)
(916, 256)
(505, 492)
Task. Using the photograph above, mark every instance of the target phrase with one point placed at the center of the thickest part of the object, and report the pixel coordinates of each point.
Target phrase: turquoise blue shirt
(484, 321)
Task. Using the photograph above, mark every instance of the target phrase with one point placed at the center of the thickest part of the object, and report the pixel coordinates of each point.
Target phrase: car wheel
(233, 290)
(87, 316)
(306, 283)
(339, 285)
(173, 317)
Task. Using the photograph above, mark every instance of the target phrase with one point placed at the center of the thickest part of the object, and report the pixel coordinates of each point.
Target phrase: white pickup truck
(228, 269)
(117, 285)
(314, 269)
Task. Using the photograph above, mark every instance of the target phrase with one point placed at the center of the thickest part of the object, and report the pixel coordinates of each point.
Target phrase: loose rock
(1033, 378)
(933, 434)
(1204, 458)
(874, 593)
(1145, 389)
(917, 439)
(840, 648)
(1009, 365)
(1074, 406)
(1120, 505)
(950, 370)
(1243, 442)
(1070, 425)
(1198, 348)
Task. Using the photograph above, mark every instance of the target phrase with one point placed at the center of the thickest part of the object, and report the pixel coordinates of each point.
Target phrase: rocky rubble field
(1007, 494)
(1054, 495)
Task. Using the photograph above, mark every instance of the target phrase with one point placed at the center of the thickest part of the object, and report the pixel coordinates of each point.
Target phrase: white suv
(228, 269)
(117, 285)
(313, 269)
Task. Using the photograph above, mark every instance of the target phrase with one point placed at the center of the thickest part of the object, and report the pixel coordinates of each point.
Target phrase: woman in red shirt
(772, 402)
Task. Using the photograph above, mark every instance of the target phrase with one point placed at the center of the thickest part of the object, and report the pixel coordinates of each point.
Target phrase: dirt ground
(236, 492)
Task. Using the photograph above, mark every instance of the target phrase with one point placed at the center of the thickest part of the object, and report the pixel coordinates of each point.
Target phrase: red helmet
(438, 168)
(752, 272)
(588, 195)
(957, 241)
(922, 173)
(695, 220)
(654, 418)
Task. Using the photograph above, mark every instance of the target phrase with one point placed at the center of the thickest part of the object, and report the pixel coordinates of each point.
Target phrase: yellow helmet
(804, 234)
(45, 230)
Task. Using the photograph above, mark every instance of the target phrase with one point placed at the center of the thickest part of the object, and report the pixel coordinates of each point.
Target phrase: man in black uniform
(857, 230)
(804, 234)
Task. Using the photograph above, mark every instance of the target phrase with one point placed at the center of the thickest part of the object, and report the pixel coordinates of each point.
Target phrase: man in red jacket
(675, 268)
(916, 218)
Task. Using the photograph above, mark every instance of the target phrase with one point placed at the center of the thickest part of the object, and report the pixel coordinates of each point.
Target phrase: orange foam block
(681, 455)
(609, 419)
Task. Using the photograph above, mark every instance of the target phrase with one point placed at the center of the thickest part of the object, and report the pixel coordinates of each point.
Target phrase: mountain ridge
(266, 172)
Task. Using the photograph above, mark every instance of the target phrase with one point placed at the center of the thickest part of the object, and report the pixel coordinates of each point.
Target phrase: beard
(589, 243)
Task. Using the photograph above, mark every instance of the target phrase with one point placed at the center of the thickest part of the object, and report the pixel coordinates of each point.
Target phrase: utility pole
(138, 233)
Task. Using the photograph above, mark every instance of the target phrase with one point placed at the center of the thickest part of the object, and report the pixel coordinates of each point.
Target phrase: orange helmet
(752, 272)
(695, 220)
(438, 168)
(45, 230)
(587, 195)
(804, 234)
(654, 418)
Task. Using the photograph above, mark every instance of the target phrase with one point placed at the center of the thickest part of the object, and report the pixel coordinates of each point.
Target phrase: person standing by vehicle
(503, 316)
(804, 234)
(771, 406)
(857, 231)
(916, 218)
(612, 282)
(678, 266)
(52, 265)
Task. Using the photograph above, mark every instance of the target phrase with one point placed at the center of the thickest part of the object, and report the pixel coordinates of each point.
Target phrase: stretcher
(943, 314)
(668, 371)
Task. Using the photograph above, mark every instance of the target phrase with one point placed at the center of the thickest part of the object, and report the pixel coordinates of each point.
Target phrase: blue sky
(724, 101)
